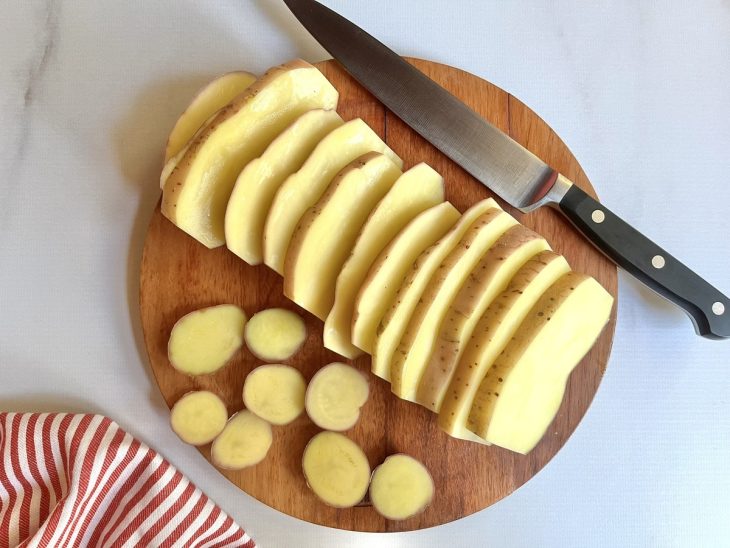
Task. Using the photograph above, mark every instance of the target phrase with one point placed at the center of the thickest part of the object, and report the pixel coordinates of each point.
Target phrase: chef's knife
(504, 166)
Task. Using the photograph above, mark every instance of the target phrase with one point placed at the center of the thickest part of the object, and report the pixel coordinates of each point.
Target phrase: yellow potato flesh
(327, 232)
(390, 268)
(304, 188)
(257, 184)
(203, 341)
(213, 97)
(521, 393)
(335, 395)
(394, 321)
(414, 349)
(245, 441)
(275, 334)
(491, 334)
(198, 417)
(401, 487)
(489, 277)
(275, 393)
(417, 189)
(196, 192)
(336, 469)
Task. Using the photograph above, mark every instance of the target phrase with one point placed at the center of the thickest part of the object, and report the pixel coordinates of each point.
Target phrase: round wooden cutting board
(179, 275)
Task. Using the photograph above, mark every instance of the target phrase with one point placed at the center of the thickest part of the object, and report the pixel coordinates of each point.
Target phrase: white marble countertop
(640, 91)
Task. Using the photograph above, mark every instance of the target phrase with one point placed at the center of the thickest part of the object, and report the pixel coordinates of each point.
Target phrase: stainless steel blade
(503, 165)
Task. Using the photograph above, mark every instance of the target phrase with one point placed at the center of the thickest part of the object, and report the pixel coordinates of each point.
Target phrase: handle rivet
(718, 309)
(598, 216)
(657, 261)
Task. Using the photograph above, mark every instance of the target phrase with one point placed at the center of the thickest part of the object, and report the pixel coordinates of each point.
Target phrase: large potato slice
(416, 190)
(394, 321)
(489, 278)
(213, 97)
(327, 232)
(491, 335)
(389, 269)
(305, 187)
(521, 393)
(257, 184)
(196, 192)
(417, 343)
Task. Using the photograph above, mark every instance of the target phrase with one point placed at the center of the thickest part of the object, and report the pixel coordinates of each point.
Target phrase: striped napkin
(80, 480)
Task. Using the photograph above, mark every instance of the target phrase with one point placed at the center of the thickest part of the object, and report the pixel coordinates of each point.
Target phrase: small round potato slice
(335, 395)
(401, 487)
(275, 393)
(198, 417)
(245, 441)
(203, 341)
(336, 469)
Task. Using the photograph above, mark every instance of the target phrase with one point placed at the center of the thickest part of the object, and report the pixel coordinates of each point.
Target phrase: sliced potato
(336, 469)
(416, 190)
(491, 334)
(275, 393)
(203, 341)
(198, 417)
(389, 269)
(275, 334)
(335, 395)
(488, 279)
(401, 487)
(257, 184)
(305, 187)
(416, 345)
(521, 393)
(327, 232)
(196, 192)
(245, 441)
(394, 322)
(213, 97)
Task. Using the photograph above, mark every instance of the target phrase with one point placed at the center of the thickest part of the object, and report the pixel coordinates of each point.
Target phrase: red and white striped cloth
(80, 480)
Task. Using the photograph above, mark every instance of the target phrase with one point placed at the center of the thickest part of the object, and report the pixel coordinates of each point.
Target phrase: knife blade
(505, 167)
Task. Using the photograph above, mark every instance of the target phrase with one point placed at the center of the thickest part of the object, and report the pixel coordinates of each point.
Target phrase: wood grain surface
(179, 275)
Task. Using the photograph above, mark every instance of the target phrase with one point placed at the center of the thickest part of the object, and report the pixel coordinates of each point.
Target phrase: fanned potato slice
(257, 184)
(491, 334)
(245, 441)
(275, 334)
(336, 469)
(416, 190)
(401, 487)
(196, 192)
(198, 417)
(335, 395)
(327, 232)
(304, 188)
(210, 99)
(390, 268)
(394, 321)
(275, 392)
(204, 340)
(521, 393)
(488, 279)
(416, 345)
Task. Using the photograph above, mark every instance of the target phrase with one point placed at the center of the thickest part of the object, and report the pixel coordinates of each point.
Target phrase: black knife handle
(627, 247)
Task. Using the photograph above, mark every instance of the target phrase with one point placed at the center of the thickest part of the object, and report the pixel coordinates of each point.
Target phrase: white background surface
(640, 91)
